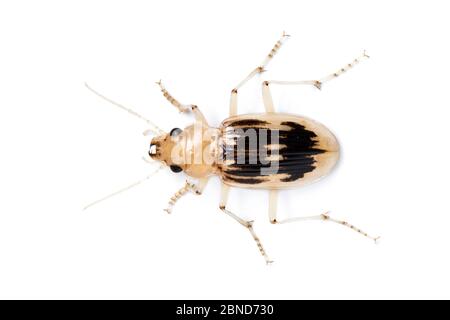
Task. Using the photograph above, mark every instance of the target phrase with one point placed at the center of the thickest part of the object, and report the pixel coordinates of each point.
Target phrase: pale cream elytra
(267, 150)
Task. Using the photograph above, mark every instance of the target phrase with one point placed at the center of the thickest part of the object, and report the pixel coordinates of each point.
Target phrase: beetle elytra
(267, 150)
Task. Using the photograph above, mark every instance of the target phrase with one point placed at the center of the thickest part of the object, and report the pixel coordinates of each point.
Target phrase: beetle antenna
(154, 128)
(123, 189)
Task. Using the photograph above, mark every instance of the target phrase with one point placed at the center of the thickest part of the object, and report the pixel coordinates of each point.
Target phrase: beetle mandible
(267, 150)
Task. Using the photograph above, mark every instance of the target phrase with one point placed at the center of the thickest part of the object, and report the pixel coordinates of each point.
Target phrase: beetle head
(162, 149)
(190, 150)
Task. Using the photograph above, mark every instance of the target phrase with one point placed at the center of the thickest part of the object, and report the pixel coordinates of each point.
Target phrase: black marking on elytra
(245, 180)
(248, 123)
(297, 155)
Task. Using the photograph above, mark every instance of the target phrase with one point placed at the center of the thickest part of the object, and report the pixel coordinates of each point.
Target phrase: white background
(62, 147)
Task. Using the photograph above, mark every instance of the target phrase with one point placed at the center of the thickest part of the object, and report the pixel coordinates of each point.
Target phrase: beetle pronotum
(266, 150)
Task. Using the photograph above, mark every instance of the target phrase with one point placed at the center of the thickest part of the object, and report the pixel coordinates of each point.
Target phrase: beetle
(269, 150)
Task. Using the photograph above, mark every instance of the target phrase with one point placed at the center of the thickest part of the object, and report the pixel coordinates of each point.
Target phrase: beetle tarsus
(326, 217)
(181, 107)
(249, 225)
(318, 84)
(185, 189)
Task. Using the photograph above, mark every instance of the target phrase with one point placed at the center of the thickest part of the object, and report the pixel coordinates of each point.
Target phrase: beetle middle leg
(267, 97)
(259, 69)
(273, 197)
(247, 224)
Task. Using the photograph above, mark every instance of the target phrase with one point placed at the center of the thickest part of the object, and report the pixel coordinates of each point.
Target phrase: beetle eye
(175, 132)
(175, 168)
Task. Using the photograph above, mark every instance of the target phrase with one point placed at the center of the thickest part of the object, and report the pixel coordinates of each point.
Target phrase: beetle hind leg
(324, 217)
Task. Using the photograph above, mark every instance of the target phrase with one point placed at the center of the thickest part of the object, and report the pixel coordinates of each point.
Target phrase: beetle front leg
(257, 70)
(182, 107)
(247, 224)
(196, 188)
(273, 197)
(180, 193)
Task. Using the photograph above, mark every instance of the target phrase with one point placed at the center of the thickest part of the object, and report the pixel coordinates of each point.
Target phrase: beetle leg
(247, 224)
(267, 97)
(273, 201)
(324, 217)
(185, 189)
(257, 70)
(199, 117)
(318, 83)
(182, 107)
(196, 188)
